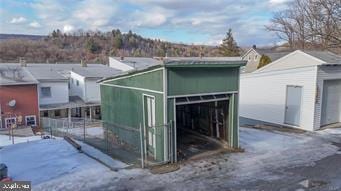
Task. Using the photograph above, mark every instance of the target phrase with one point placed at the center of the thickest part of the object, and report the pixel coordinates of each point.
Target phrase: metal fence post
(84, 129)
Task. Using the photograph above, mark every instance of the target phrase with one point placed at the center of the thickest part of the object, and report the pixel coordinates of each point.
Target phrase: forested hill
(92, 47)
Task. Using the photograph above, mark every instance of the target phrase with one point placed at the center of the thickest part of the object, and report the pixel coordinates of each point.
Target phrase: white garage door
(331, 103)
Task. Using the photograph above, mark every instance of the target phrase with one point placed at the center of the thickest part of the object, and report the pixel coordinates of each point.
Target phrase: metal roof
(15, 75)
(142, 64)
(74, 102)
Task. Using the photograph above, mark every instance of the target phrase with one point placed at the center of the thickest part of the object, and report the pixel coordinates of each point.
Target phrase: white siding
(77, 90)
(92, 91)
(263, 95)
(297, 59)
(59, 93)
(324, 73)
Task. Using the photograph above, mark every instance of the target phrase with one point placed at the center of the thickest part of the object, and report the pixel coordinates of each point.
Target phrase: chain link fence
(124, 143)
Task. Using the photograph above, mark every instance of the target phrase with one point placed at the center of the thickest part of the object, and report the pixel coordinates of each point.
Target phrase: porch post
(90, 110)
(69, 114)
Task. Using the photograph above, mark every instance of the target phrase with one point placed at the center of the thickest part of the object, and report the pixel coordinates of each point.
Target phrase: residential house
(300, 90)
(18, 98)
(67, 90)
(253, 56)
(166, 98)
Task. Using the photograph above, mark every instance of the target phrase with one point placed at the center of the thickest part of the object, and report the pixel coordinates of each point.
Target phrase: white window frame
(29, 116)
(9, 118)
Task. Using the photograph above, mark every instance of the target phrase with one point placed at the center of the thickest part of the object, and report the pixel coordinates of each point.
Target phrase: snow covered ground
(271, 161)
(4, 140)
(89, 131)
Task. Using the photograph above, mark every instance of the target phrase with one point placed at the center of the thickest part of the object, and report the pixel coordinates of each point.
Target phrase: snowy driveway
(272, 161)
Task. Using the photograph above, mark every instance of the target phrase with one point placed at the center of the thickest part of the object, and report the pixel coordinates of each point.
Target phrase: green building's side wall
(124, 107)
(183, 81)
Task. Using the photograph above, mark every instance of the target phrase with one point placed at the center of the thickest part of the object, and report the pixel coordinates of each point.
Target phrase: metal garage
(175, 107)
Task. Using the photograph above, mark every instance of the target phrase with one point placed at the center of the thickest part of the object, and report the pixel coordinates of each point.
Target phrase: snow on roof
(15, 75)
(61, 72)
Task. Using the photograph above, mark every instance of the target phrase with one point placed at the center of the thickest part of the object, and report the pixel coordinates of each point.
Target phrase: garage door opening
(331, 103)
(201, 123)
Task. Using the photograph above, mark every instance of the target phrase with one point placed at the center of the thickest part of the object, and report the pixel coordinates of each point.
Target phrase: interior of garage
(201, 125)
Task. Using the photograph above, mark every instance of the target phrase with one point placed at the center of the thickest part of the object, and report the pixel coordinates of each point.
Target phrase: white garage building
(301, 90)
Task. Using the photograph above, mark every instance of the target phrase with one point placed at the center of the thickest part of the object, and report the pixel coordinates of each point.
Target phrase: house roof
(96, 71)
(272, 54)
(61, 72)
(299, 59)
(74, 102)
(15, 75)
(326, 56)
(142, 64)
(139, 62)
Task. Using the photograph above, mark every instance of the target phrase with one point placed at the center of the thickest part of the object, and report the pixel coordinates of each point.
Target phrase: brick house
(18, 97)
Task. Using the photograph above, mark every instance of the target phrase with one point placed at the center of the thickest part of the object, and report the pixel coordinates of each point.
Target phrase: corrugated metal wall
(124, 106)
(192, 80)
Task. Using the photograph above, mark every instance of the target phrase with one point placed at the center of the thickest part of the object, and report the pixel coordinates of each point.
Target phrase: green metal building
(146, 107)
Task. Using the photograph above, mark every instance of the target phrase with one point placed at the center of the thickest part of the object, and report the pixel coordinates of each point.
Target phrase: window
(249, 57)
(30, 120)
(45, 91)
(57, 113)
(256, 57)
(77, 82)
(10, 122)
(45, 113)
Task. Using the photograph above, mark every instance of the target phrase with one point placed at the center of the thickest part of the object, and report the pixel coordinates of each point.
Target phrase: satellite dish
(12, 103)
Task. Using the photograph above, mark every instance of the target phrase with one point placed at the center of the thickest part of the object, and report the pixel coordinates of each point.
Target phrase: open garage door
(331, 102)
(201, 123)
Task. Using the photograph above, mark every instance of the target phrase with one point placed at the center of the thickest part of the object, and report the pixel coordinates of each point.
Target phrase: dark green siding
(182, 81)
(150, 80)
(124, 107)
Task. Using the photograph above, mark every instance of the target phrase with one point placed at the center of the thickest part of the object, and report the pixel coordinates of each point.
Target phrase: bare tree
(309, 24)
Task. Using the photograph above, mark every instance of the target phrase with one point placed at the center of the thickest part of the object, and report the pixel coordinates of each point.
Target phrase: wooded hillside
(94, 47)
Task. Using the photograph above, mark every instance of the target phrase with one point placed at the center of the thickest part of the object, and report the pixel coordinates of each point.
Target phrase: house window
(256, 57)
(10, 122)
(45, 91)
(57, 113)
(249, 57)
(45, 113)
(77, 82)
(30, 120)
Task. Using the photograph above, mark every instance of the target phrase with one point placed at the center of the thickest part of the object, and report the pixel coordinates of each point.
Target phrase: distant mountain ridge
(92, 47)
(21, 36)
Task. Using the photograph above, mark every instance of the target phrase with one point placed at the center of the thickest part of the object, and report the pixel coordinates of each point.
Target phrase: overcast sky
(187, 21)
